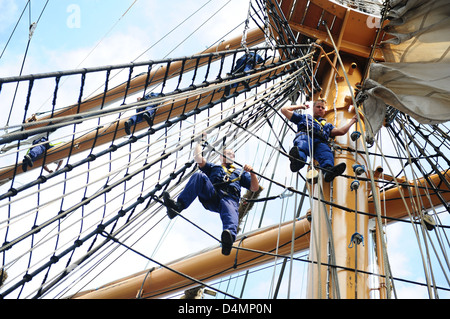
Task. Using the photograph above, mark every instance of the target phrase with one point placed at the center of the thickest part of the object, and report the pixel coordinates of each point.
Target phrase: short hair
(319, 100)
(227, 149)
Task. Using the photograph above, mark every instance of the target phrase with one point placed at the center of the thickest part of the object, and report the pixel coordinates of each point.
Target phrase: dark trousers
(322, 152)
(199, 185)
(37, 151)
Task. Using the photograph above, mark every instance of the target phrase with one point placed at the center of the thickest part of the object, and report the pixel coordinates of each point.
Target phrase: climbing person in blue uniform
(245, 63)
(146, 113)
(218, 188)
(41, 146)
(322, 131)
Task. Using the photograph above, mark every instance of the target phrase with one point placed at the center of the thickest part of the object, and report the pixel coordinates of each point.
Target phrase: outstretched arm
(198, 157)
(288, 110)
(343, 129)
(254, 184)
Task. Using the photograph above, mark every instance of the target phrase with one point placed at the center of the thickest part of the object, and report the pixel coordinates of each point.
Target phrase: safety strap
(321, 123)
(230, 171)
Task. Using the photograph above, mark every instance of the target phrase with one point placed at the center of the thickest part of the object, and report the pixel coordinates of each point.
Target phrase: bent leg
(323, 155)
(198, 185)
(36, 152)
(299, 153)
(229, 214)
(325, 158)
(303, 144)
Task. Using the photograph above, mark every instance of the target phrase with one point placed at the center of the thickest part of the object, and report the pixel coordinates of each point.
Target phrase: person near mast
(245, 63)
(218, 188)
(41, 145)
(146, 113)
(304, 141)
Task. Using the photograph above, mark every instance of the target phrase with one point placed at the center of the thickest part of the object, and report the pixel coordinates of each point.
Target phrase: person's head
(319, 108)
(228, 156)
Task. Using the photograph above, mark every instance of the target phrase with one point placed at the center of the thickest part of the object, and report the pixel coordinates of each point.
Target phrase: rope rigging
(109, 194)
(65, 213)
(92, 157)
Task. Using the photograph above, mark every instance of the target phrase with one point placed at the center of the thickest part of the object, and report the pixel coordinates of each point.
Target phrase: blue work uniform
(246, 63)
(218, 188)
(150, 109)
(36, 151)
(321, 132)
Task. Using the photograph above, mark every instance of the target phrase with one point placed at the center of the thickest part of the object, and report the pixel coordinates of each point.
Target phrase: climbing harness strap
(321, 123)
(317, 133)
(228, 172)
(224, 186)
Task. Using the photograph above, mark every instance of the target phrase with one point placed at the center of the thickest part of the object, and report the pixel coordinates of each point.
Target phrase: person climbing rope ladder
(40, 146)
(245, 63)
(322, 131)
(218, 188)
(146, 113)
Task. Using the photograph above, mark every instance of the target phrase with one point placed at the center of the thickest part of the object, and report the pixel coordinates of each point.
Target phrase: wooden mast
(354, 36)
(207, 265)
(337, 236)
(334, 230)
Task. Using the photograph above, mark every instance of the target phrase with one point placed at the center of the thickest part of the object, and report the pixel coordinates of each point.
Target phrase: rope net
(52, 223)
(114, 184)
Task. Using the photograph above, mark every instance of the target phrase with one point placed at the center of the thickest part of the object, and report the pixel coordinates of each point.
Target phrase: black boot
(173, 207)
(27, 162)
(148, 118)
(227, 242)
(24, 165)
(334, 171)
(128, 125)
(227, 90)
(296, 163)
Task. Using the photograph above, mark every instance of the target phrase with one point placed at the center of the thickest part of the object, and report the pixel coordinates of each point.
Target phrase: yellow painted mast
(342, 246)
(337, 236)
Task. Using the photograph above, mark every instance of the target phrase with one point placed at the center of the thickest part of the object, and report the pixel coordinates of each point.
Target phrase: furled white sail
(415, 77)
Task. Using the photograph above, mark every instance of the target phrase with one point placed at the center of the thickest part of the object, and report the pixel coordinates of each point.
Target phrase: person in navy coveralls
(218, 188)
(146, 113)
(304, 141)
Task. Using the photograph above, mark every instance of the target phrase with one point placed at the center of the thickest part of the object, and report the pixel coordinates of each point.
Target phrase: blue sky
(68, 30)
(91, 33)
